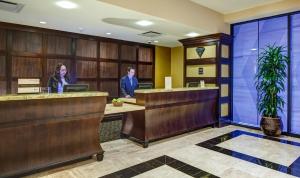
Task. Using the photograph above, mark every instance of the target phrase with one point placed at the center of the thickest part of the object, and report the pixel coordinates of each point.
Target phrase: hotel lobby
(136, 88)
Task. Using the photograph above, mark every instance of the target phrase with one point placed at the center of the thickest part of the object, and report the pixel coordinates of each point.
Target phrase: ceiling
(94, 18)
(172, 18)
(231, 6)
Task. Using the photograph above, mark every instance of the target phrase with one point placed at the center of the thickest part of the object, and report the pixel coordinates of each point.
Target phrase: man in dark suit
(129, 83)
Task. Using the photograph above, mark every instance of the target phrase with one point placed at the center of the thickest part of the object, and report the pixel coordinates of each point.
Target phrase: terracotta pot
(271, 126)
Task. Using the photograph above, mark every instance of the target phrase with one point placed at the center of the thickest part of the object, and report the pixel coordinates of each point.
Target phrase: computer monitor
(76, 87)
(145, 85)
(193, 84)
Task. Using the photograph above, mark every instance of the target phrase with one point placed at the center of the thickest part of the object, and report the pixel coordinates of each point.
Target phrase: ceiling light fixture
(155, 41)
(66, 4)
(43, 22)
(192, 34)
(253, 49)
(80, 29)
(108, 33)
(144, 23)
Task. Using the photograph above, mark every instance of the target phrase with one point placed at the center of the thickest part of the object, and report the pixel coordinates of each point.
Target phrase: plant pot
(271, 126)
(117, 104)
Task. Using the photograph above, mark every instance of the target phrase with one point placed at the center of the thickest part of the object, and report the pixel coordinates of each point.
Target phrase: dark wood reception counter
(171, 112)
(43, 130)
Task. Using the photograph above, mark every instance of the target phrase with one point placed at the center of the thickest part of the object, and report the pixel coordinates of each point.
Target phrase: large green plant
(270, 80)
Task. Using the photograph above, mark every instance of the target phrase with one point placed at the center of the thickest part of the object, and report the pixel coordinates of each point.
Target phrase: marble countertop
(110, 109)
(175, 89)
(51, 95)
(129, 100)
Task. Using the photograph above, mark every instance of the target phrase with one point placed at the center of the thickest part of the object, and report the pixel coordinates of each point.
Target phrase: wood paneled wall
(31, 52)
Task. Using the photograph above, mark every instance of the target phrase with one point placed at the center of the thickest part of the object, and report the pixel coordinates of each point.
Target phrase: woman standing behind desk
(59, 79)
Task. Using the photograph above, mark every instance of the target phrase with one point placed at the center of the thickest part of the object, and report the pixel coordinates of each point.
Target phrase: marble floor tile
(163, 171)
(273, 151)
(123, 153)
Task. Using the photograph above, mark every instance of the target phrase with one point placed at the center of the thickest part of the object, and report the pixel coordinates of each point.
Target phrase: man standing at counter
(129, 83)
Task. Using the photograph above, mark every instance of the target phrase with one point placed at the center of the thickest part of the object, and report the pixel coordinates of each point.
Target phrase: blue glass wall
(295, 73)
(275, 31)
(249, 39)
(245, 53)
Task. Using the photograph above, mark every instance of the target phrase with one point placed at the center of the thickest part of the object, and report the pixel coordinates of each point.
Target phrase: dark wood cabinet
(145, 71)
(109, 70)
(58, 45)
(2, 66)
(2, 39)
(128, 53)
(110, 86)
(109, 50)
(31, 52)
(214, 66)
(28, 67)
(2, 87)
(86, 48)
(145, 54)
(86, 69)
(26, 42)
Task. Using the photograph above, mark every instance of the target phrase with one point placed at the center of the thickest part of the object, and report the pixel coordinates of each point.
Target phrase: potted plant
(270, 83)
(117, 102)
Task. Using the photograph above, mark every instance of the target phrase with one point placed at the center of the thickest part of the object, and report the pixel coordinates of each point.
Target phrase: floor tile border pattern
(293, 169)
(158, 162)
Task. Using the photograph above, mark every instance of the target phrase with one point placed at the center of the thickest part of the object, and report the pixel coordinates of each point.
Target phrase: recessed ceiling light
(155, 41)
(253, 49)
(144, 23)
(66, 4)
(192, 34)
(108, 33)
(80, 29)
(42, 22)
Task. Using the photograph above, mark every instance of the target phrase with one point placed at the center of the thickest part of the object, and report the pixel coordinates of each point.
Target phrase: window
(249, 39)
(274, 31)
(245, 53)
(295, 73)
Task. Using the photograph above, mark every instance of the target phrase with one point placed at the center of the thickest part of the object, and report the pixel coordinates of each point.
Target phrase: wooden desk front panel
(168, 121)
(159, 99)
(40, 133)
(171, 113)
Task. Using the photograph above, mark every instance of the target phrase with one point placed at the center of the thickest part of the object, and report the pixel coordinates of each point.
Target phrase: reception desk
(42, 130)
(171, 112)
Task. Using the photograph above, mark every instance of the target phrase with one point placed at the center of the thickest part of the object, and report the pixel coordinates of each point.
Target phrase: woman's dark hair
(57, 72)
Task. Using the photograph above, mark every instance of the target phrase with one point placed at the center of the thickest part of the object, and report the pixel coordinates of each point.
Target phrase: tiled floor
(212, 152)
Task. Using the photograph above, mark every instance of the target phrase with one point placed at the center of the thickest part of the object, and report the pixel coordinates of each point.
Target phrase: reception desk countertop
(175, 89)
(110, 109)
(51, 95)
(129, 100)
